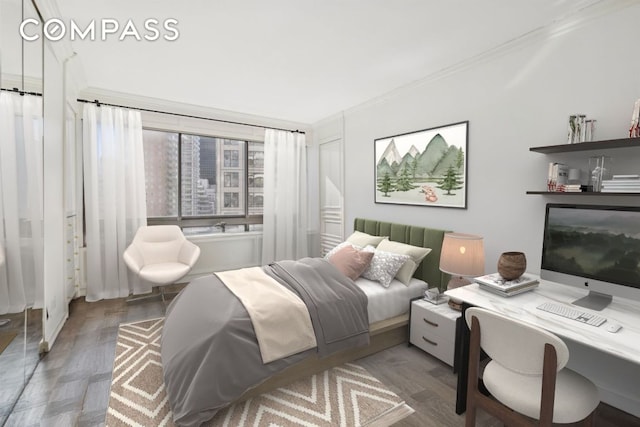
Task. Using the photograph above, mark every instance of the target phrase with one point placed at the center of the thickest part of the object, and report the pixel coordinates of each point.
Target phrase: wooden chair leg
(549, 372)
(472, 375)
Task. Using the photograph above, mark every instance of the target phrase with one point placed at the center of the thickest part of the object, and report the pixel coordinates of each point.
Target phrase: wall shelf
(587, 146)
(580, 193)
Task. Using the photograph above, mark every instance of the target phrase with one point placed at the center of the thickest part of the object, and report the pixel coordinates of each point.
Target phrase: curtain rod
(98, 103)
(21, 92)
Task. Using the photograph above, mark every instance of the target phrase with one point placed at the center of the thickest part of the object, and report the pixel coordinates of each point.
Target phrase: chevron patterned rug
(344, 396)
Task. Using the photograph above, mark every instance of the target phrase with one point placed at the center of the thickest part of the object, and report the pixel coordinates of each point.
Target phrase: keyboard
(573, 314)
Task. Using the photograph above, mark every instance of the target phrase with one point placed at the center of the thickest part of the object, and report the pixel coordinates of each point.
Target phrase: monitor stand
(594, 301)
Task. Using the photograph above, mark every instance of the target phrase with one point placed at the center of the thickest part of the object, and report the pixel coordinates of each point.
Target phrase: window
(231, 179)
(231, 158)
(231, 200)
(201, 182)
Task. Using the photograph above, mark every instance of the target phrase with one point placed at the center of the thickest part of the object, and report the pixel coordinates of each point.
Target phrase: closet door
(331, 193)
(72, 232)
(56, 309)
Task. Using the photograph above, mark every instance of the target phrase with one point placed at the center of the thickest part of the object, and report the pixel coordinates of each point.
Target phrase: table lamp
(462, 256)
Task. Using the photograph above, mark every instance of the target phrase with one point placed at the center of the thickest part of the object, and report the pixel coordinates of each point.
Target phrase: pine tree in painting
(450, 181)
(385, 185)
(404, 183)
(460, 159)
(414, 167)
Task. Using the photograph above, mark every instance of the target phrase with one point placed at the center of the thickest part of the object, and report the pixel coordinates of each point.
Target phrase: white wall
(517, 97)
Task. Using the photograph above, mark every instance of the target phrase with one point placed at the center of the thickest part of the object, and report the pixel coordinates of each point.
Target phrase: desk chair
(526, 374)
(161, 255)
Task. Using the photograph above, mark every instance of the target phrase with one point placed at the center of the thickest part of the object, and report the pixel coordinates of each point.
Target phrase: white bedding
(385, 303)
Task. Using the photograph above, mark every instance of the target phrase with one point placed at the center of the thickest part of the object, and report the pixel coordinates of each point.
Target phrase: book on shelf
(558, 174)
(615, 189)
(569, 188)
(508, 293)
(621, 182)
(496, 281)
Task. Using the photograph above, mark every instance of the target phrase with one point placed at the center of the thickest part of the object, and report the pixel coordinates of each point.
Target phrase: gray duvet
(210, 355)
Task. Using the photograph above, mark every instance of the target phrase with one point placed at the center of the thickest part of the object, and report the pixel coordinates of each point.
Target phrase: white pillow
(362, 240)
(384, 266)
(416, 254)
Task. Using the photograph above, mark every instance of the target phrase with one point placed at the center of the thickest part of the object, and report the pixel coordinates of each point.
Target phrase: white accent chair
(526, 375)
(160, 254)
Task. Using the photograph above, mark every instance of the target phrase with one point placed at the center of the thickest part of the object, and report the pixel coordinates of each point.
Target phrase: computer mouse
(613, 327)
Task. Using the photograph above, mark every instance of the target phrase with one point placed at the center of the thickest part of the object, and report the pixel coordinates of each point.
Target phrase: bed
(192, 342)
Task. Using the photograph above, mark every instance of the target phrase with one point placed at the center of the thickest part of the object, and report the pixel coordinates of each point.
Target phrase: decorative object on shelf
(574, 176)
(427, 167)
(576, 128)
(512, 265)
(589, 130)
(634, 130)
(462, 257)
(580, 129)
(599, 170)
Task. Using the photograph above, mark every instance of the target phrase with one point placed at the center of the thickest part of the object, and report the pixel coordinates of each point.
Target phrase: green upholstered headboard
(428, 270)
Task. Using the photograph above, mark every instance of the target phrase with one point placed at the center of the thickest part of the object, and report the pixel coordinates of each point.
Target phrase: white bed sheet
(385, 303)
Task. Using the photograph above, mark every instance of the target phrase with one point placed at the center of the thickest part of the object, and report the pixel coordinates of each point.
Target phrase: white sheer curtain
(21, 206)
(285, 196)
(115, 199)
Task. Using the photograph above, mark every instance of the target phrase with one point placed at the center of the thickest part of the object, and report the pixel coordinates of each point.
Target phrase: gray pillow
(384, 266)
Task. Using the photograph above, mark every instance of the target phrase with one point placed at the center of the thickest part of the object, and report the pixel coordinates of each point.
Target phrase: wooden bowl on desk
(512, 265)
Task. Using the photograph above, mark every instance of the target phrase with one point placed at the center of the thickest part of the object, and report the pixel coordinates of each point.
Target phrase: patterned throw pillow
(416, 253)
(383, 266)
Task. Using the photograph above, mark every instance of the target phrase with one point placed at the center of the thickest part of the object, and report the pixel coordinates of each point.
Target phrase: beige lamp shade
(462, 255)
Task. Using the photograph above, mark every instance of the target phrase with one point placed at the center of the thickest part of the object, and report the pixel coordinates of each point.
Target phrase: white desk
(610, 360)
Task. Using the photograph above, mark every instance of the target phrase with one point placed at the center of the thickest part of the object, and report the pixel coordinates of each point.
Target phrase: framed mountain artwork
(426, 167)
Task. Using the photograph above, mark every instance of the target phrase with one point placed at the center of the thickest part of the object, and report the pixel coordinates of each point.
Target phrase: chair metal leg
(141, 297)
(162, 294)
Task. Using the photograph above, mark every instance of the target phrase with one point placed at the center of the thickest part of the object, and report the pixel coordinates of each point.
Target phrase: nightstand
(433, 329)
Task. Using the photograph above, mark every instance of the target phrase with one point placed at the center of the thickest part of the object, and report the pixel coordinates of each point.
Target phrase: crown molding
(168, 106)
(31, 84)
(584, 14)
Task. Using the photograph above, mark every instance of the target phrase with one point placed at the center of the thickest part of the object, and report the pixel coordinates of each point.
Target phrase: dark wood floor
(70, 386)
(19, 360)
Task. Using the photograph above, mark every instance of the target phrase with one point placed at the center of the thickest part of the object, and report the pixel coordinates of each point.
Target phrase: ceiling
(296, 60)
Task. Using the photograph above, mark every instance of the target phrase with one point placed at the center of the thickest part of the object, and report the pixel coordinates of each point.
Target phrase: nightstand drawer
(432, 323)
(433, 329)
(439, 347)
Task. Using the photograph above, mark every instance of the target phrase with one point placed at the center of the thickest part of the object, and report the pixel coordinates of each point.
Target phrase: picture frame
(425, 168)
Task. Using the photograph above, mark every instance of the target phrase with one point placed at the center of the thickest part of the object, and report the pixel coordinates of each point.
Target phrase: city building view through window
(202, 183)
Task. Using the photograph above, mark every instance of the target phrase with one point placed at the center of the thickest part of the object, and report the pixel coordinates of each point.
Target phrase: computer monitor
(596, 248)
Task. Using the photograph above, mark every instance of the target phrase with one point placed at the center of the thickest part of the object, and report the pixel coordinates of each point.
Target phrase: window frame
(220, 221)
